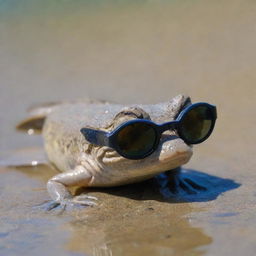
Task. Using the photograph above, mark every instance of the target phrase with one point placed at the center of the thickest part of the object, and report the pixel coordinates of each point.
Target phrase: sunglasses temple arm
(95, 137)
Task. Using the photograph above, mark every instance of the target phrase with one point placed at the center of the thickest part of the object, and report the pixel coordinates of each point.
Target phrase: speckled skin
(84, 164)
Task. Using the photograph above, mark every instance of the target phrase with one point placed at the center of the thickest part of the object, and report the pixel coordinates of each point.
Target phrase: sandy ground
(132, 52)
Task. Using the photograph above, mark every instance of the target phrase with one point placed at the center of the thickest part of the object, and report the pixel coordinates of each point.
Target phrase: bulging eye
(129, 113)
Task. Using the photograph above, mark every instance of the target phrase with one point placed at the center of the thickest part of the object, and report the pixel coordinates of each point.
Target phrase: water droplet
(31, 131)
(34, 163)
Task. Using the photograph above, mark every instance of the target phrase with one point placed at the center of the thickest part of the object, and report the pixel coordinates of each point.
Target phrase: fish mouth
(165, 161)
(178, 155)
(170, 161)
(175, 153)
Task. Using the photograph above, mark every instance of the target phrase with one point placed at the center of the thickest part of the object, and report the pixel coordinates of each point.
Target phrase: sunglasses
(138, 138)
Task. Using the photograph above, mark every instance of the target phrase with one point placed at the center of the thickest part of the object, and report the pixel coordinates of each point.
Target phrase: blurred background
(141, 52)
(126, 51)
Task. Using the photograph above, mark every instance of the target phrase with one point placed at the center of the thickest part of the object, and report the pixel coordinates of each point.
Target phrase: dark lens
(136, 140)
(197, 124)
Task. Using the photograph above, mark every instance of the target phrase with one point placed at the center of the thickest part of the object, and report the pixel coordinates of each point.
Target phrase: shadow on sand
(185, 185)
(196, 186)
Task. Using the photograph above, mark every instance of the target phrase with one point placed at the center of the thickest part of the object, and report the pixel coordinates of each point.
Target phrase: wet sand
(132, 52)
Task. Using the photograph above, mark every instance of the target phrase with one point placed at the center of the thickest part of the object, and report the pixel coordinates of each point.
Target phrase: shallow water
(136, 51)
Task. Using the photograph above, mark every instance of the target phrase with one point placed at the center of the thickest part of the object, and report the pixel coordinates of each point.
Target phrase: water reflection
(138, 219)
(124, 226)
(130, 220)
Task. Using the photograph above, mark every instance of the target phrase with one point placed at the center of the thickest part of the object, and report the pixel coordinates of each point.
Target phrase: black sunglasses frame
(102, 138)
